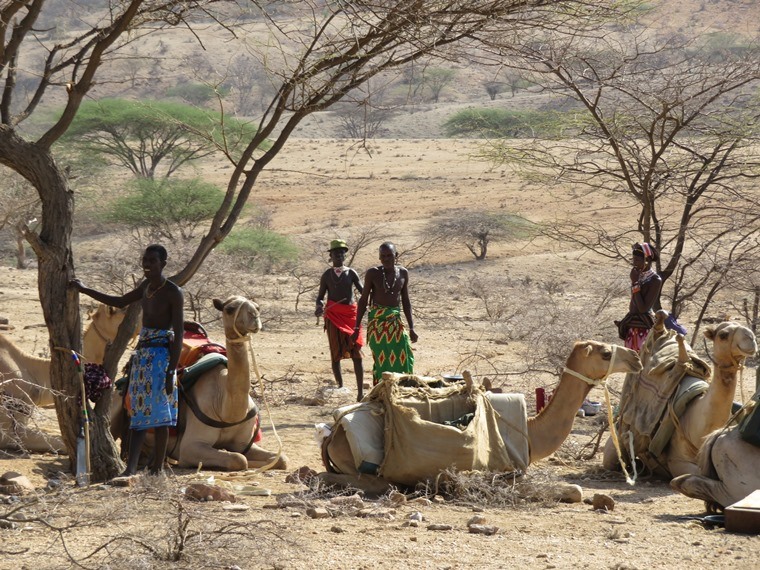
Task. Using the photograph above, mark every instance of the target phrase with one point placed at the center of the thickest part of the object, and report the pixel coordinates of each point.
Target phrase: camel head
(240, 317)
(732, 343)
(595, 361)
(106, 321)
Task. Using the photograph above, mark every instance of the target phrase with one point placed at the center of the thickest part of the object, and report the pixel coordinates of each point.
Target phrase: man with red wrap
(338, 283)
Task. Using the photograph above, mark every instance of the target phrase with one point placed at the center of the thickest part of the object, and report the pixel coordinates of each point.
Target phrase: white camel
(25, 383)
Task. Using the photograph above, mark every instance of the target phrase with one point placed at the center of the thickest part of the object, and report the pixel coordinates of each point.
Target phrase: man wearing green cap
(340, 313)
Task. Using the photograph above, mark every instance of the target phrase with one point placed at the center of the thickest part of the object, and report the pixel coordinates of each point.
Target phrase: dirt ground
(325, 189)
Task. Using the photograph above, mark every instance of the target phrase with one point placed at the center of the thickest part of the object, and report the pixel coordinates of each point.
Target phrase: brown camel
(588, 365)
(729, 471)
(25, 383)
(222, 439)
(732, 344)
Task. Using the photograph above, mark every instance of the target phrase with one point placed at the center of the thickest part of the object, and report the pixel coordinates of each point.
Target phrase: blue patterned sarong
(149, 405)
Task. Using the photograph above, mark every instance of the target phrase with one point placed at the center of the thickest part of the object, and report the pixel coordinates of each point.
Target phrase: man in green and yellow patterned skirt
(388, 287)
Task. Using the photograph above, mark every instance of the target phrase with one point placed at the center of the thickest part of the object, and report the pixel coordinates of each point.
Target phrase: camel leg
(197, 446)
(703, 488)
(22, 437)
(371, 486)
(609, 458)
(678, 467)
(258, 457)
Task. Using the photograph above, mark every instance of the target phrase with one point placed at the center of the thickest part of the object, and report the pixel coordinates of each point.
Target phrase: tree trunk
(60, 306)
(20, 251)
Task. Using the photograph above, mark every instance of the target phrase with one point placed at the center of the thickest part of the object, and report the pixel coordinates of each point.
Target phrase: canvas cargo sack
(653, 399)
(411, 428)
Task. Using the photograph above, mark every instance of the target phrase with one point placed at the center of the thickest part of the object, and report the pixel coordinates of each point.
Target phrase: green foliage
(501, 123)
(197, 93)
(143, 135)
(259, 247)
(717, 46)
(169, 208)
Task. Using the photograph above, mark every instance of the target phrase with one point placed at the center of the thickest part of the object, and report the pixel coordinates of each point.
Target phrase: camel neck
(238, 383)
(550, 428)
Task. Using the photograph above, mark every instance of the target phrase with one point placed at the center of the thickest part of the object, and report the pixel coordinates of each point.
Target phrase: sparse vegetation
(502, 123)
(170, 209)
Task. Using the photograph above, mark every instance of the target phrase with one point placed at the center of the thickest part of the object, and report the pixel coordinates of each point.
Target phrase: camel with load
(25, 383)
(667, 438)
(218, 418)
(588, 365)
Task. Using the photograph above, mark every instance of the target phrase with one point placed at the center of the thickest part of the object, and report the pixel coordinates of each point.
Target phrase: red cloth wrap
(344, 317)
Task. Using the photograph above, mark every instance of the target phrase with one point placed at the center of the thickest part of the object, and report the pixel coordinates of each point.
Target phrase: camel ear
(90, 312)
(710, 333)
(218, 304)
(588, 349)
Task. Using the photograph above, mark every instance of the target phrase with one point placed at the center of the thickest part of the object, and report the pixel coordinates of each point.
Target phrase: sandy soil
(323, 189)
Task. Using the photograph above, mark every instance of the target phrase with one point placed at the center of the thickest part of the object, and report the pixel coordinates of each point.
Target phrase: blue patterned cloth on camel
(149, 405)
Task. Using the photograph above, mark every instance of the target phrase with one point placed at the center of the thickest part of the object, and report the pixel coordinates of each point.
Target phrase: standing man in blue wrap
(152, 389)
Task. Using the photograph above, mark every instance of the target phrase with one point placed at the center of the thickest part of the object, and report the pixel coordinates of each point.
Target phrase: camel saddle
(198, 355)
(653, 399)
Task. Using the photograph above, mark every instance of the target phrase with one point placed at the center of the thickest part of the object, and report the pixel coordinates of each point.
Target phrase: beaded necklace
(389, 287)
(150, 295)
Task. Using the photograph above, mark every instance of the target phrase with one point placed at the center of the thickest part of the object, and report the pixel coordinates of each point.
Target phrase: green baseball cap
(338, 244)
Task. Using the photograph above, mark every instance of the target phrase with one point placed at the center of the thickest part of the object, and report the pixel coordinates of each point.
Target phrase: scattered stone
(337, 529)
(4, 320)
(566, 493)
(318, 513)
(12, 483)
(438, 500)
(417, 516)
(354, 501)
(421, 501)
(602, 502)
(488, 530)
(376, 513)
(302, 475)
(8, 525)
(53, 484)
(542, 555)
(477, 519)
(396, 497)
(204, 492)
(478, 509)
(413, 538)
(439, 527)
(295, 515)
(413, 524)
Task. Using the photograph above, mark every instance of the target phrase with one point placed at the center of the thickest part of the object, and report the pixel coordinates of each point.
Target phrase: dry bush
(498, 490)
(87, 530)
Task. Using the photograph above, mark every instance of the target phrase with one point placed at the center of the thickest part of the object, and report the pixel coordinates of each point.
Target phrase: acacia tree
(143, 135)
(664, 130)
(476, 229)
(316, 58)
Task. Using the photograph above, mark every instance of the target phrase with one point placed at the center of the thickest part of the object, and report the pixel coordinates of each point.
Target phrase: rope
(269, 414)
(616, 441)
